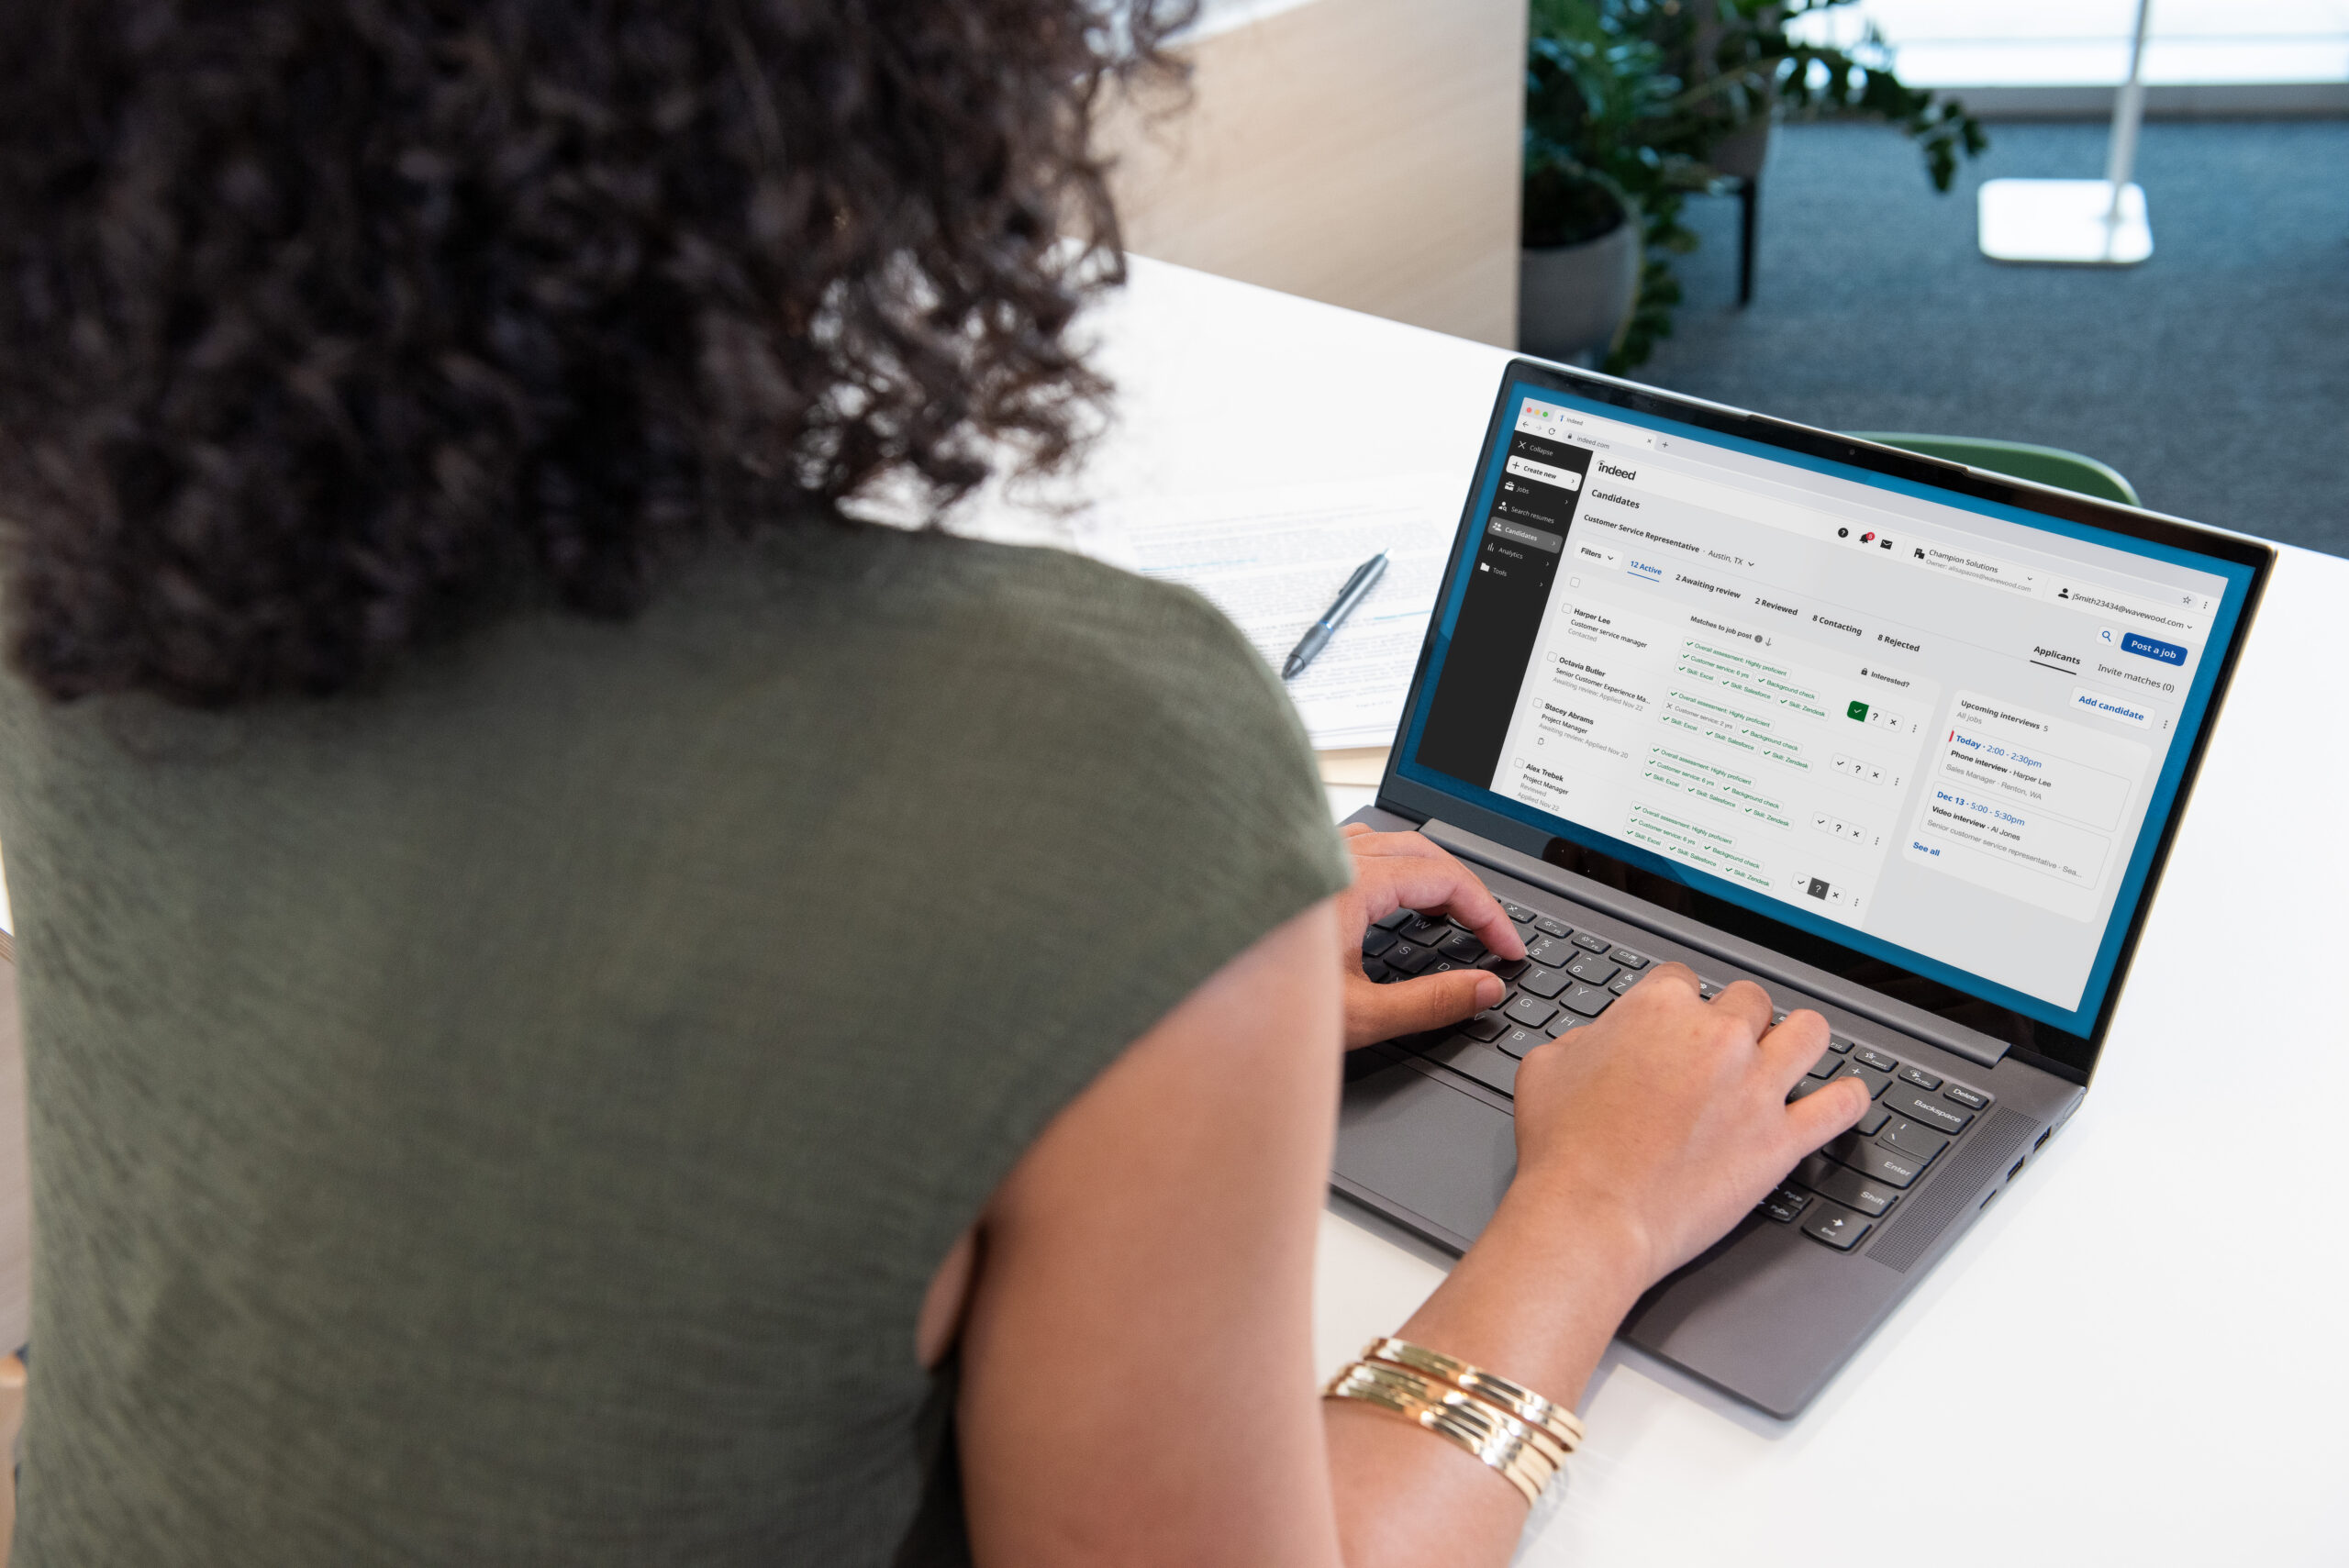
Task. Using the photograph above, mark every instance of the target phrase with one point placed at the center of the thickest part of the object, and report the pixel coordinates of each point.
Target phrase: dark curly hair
(329, 327)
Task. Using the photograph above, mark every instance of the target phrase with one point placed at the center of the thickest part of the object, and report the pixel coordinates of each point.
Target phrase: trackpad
(1439, 1153)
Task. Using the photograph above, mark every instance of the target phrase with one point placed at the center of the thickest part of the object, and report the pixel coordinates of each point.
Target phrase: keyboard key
(1887, 1166)
(1445, 966)
(1461, 948)
(1874, 1081)
(1838, 1227)
(1487, 1026)
(1376, 941)
(1425, 930)
(1588, 1000)
(1918, 1076)
(1593, 970)
(1972, 1099)
(1874, 1057)
(1531, 1011)
(1592, 940)
(1549, 927)
(1910, 1139)
(1555, 951)
(1623, 982)
(1785, 1205)
(1517, 912)
(1521, 1039)
(1507, 968)
(1407, 958)
(1376, 971)
(1474, 1059)
(1807, 1088)
(1839, 1045)
(1564, 1022)
(1871, 1124)
(1845, 1185)
(1629, 959)
(1826, 1066)
(1918, 1105)
(1542, 981)
(1707, 989)
(1777, 1018)
(1396, 919)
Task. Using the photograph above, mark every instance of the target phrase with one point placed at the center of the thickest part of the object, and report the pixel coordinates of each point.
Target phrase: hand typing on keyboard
(1650, 1105)
(1400, 871)
(1668, 1115)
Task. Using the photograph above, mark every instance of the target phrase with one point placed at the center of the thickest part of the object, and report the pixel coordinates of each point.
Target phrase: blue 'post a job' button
(2145, 646)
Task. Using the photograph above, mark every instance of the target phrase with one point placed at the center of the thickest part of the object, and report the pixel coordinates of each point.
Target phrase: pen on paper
(1316, 636)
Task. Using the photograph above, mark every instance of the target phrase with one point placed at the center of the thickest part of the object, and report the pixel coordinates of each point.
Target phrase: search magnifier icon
(2105, 632)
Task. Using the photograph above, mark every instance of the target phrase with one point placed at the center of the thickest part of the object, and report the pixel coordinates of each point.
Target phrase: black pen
(1356, 590)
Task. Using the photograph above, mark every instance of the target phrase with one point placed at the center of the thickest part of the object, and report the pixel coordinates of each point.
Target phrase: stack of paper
(1272, 560)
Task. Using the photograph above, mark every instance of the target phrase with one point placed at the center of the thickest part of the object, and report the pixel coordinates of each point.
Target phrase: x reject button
(2149, 648)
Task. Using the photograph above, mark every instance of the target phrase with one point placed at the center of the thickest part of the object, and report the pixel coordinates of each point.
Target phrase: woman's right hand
(1667, 1117)
(1642, 1139)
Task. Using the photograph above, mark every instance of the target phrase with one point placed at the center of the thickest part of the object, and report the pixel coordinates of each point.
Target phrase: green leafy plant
(1627, 103)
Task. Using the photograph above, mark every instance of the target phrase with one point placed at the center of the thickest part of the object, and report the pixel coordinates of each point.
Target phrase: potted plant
(1631, 106)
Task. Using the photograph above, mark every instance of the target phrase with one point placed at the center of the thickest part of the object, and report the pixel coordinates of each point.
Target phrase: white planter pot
(1573, 300)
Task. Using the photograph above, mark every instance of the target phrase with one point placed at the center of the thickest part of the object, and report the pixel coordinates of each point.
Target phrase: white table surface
(2136, 1356)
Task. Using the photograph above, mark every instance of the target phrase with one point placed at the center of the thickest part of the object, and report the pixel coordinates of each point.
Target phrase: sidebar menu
(1517, 561)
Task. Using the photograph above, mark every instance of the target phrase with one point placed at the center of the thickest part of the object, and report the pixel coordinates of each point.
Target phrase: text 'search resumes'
(1929, 726)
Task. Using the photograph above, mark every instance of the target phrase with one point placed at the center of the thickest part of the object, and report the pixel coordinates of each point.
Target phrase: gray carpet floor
(2216, 375)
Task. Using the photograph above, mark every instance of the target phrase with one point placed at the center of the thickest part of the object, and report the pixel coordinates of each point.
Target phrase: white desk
(2137, 1355)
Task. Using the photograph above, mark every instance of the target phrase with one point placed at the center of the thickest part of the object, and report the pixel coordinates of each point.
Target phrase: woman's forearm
(1536, 1300)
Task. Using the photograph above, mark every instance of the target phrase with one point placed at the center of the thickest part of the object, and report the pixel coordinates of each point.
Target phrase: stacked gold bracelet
(1512, 1430)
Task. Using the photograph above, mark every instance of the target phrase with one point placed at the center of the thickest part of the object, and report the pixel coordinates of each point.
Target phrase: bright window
(2002, 43)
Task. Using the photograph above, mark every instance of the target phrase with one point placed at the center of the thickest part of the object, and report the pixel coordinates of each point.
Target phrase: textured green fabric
(511, 1116)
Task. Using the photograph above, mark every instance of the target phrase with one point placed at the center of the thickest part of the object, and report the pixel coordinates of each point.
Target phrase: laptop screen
(1932, 731)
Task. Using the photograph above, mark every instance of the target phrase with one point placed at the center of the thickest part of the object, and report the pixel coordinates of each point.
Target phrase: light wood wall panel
(1363, 153)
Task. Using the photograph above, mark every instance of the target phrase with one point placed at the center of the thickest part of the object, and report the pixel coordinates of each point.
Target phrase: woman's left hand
(1406, 870)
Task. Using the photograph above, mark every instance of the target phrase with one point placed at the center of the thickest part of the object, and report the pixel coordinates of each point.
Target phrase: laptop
(1899, 739)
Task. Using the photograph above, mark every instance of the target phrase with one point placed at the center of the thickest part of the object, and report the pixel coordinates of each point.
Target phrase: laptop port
(1992, 1199)
(2016, 1169)
(2044, 1137)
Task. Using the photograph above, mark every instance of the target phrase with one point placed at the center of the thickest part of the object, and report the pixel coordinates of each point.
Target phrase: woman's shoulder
(1039, 641)
(1106, 622)
(1132, 705)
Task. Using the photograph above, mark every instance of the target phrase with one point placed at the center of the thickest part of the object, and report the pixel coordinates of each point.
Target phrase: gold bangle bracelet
(1522, 1403)
(1430, 1391)
(1519, 1464)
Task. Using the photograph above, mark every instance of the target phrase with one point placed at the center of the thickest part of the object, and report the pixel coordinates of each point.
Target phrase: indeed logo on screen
(1606, 467)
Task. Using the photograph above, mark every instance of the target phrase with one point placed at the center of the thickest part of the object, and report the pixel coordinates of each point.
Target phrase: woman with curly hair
(523, 1071)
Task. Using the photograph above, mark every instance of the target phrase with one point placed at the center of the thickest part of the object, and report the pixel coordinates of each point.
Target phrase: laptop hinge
(1969, 1043)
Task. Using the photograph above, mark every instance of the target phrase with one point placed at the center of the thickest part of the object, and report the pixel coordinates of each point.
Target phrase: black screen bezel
(2070, 1055)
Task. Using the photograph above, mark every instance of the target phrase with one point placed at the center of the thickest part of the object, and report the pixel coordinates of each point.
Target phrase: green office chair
(2043, 465)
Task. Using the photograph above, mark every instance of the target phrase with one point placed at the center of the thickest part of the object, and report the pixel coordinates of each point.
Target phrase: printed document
(1273, 560)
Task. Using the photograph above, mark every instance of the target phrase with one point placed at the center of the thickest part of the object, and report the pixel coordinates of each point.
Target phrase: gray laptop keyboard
(1570, 976)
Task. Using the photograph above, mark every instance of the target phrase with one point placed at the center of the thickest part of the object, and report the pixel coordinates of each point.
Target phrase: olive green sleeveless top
(512, 1116)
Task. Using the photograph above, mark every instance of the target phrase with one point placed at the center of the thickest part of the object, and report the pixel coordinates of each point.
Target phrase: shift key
(1846, 1186)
